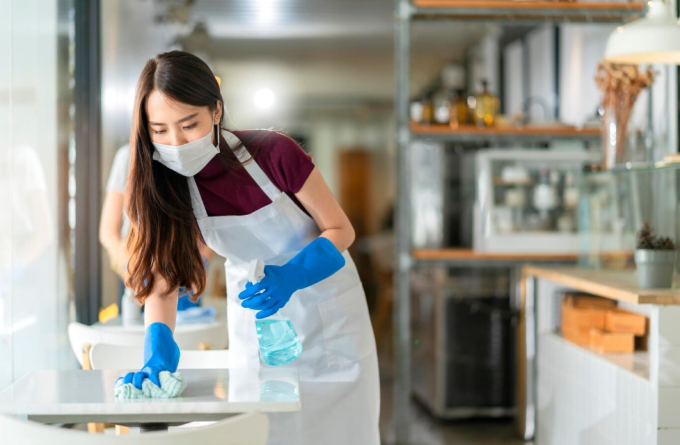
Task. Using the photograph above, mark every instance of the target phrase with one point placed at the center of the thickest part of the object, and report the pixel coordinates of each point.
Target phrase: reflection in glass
(34, 101)
(278, 391)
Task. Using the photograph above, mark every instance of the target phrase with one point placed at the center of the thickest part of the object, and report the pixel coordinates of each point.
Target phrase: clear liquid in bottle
(278, 341)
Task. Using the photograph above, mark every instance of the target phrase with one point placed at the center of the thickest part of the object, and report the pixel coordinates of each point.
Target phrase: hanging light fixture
(654, 38)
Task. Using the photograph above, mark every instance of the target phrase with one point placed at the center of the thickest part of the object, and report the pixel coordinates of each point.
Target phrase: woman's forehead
(161, 108)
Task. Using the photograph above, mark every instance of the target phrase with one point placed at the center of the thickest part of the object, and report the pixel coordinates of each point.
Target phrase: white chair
(106, 356)
(83, 337)
(244, 429)
(199, 337)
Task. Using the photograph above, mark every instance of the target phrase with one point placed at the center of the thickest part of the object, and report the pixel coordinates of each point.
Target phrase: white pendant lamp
(654, 38)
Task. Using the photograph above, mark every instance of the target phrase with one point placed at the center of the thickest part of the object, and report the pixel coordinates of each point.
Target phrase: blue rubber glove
(183, 302)
(316, 262)
(161, 353)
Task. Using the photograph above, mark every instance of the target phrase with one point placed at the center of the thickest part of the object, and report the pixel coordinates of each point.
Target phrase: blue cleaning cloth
(172, 385)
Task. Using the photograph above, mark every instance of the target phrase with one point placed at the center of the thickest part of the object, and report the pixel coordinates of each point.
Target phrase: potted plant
(655, 259)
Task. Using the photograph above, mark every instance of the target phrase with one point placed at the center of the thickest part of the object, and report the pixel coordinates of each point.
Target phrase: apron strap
(196, 201)
(251, 167)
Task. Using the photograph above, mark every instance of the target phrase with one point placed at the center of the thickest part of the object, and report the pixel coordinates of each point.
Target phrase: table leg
(152, 427)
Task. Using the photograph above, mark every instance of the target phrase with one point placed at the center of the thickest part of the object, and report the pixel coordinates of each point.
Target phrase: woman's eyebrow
(184, 119)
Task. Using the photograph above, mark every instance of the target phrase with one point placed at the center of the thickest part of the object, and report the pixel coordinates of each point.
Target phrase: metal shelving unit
(407, 11)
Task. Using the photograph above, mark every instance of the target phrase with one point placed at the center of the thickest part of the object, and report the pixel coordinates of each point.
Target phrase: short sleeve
(119, 170)
(291, 166)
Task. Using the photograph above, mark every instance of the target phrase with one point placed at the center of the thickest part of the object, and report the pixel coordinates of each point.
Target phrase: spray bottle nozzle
(256, 271)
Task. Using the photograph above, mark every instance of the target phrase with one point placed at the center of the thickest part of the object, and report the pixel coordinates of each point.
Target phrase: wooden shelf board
(618, 285)
(504, 131)
(471, 255)
(520, 5)
(528, 11)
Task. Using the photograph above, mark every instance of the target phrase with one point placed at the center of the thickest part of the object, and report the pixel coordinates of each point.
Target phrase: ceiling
(273, 25)
(294, 19)
(317, 51)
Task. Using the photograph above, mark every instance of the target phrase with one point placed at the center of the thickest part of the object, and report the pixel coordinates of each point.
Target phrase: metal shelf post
(402, 307)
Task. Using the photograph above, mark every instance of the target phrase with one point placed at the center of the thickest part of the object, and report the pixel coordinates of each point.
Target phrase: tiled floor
(425, 430)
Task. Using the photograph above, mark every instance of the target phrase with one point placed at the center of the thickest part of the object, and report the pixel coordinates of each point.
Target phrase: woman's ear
(218, 112)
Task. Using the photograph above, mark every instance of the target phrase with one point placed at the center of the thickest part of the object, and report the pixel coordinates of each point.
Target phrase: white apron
(338, 367)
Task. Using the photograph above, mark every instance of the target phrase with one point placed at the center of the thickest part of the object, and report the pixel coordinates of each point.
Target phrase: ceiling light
(654, 38)
(264, 99)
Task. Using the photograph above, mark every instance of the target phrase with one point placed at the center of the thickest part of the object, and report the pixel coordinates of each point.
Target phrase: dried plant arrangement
(620, 85)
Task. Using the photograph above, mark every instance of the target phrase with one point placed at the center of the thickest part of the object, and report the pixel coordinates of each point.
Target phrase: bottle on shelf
(428, 110)
(486, 107)
(416, 111)
(458, 112)
(441, 102)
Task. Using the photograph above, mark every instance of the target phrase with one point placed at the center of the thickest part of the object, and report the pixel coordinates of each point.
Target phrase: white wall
(536, 80)
(541, 48)
(513, 86)
(483, 61)
(581, 49)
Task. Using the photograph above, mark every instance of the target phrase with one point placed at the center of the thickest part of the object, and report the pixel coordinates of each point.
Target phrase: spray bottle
(278, 340)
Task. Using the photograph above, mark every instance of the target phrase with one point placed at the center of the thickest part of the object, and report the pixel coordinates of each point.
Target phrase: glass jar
(428, 111)
(458, 113)
(486, 107)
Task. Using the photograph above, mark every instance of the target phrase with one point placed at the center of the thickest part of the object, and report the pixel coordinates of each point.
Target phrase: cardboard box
(604, 342)
(582, 317)
(584, 301)
(618, 320)
(577, 335)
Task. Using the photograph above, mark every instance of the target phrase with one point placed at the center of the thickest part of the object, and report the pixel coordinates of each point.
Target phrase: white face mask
(187, 159)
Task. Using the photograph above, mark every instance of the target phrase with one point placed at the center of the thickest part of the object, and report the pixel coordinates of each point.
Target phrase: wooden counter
(558, 379)
(469, 254)
(618, 285)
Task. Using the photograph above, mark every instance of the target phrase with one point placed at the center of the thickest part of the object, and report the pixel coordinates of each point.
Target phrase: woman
(247, 195)
(114, 226)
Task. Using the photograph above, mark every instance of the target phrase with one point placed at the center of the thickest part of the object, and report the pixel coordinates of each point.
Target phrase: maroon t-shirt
(232, 192)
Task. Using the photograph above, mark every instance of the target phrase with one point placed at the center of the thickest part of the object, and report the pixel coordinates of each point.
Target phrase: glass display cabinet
(527, 200)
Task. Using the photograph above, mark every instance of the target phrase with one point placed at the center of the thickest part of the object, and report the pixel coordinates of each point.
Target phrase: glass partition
(34, 116)
(613, 206)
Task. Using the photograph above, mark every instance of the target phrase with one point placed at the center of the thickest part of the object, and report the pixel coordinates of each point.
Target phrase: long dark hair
(163, 236)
